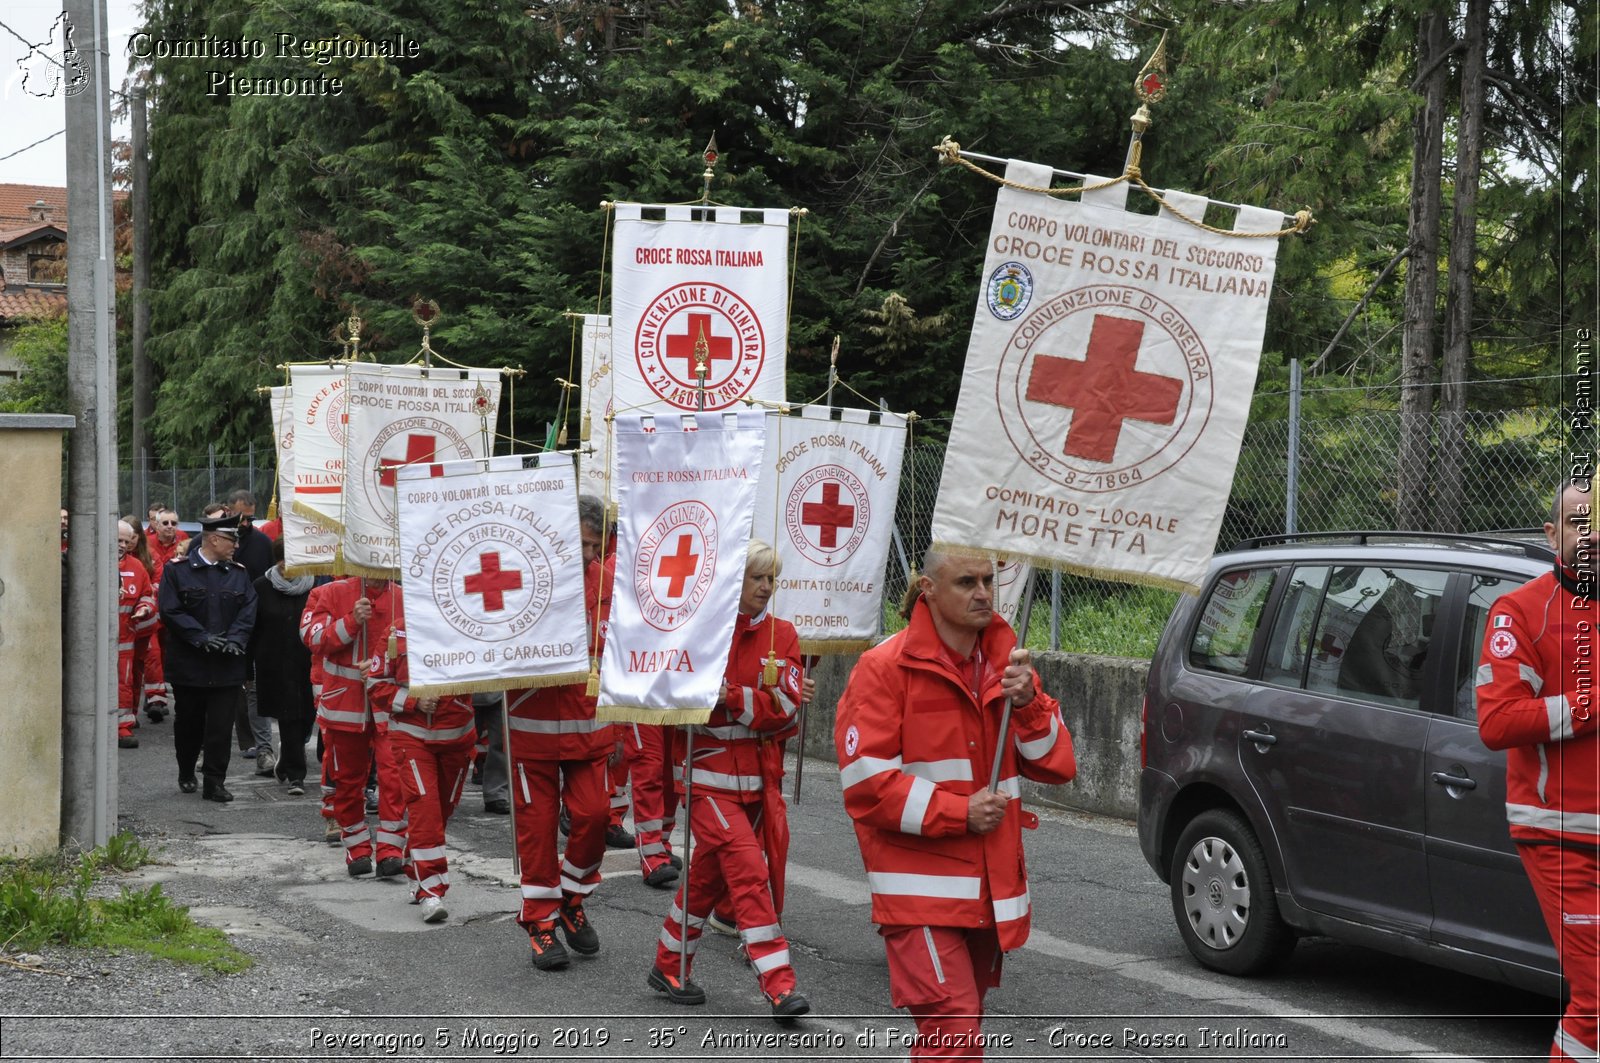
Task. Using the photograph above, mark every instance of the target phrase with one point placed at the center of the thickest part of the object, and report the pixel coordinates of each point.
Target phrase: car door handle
(1460, 781)
(1261, 738)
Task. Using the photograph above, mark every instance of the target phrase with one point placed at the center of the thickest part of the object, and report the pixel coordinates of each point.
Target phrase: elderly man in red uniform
(727, 769)
(558, 757)
(431, 740)
(341, 626)
(917, 731)
(1536, 701)
(136, 619)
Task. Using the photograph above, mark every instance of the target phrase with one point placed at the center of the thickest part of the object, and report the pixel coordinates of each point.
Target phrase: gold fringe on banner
(494, 686)
(326, 568)
(825, 647)
(368, 571)
(1113, 575)
(658, 717)
(304, 509)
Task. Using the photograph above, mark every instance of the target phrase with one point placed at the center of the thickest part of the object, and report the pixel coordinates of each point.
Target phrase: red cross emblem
(419, 448)
(829, 515)
(492, 582)
(698, 337)
(678, 567)
(1104, 389)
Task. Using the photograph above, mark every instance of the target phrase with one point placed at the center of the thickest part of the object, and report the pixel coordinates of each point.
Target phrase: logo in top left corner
(56, 66)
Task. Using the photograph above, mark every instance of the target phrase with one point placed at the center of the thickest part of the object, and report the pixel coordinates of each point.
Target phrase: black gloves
(214, 644)
(233, 649)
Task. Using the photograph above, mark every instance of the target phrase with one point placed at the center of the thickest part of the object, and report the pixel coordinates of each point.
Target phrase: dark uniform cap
(223, 524)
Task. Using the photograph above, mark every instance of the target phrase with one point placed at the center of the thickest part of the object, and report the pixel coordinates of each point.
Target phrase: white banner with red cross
(404, 415)
(686, 489)
(492, 567)
(699, 286)
(828, 490)
(317, 414)
(1107, 385)
(595, 381)
(308, 546)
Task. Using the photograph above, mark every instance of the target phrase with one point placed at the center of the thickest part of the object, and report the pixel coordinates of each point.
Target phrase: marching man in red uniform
(136, 619)
(760, 695)
(431, 741)
(558, 756)
(163, 536)
(917, 730)
(1536, 701)
(341, 626)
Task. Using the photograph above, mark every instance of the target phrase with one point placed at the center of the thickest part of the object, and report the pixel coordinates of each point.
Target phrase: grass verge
(49, 901)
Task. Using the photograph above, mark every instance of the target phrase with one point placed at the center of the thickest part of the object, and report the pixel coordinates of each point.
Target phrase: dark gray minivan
(1311, 761)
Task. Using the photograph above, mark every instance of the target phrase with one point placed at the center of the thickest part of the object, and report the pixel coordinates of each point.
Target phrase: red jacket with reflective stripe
(133, 591)
(557, 723)
(329, 629)
(1536, 701)
(728, 748)
(914, 744)
(388, 682)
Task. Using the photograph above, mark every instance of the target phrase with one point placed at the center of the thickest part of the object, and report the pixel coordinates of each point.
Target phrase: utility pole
(89, 687)
(143, 399)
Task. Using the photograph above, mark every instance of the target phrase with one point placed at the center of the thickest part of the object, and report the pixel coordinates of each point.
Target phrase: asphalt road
(345, 969)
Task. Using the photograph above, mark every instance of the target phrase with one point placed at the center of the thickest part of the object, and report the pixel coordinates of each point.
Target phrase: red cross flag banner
(685, 489)
(317, 413)
(1107, 384)
(308, 547)
(595, 382)
(826, 503)
(404, 415)
(492, 566)
(707, 283)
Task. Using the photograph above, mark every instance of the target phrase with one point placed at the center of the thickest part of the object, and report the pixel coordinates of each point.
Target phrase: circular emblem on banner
(676, 562)
(1104, 386)
(852, 741)
(335, 420)
(1010, 290)
(408, 441)
(827, 514)
(491, 581)
(1502, 644)
(690, 320)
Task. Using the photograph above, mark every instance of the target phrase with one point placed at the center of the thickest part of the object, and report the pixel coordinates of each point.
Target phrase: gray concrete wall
(1100, 700)
(30, 634)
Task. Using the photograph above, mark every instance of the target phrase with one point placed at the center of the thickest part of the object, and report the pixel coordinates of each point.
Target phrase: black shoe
(154, 714)
(677, 992)
(662, 877)
(787, 1007)
(217, 792)
(361, 865)
(617, 838)
(372, 799)
(576, 929)
(499, 806)
(565, 822)
(390, 866)
(675, 860)
(548, 953)
(127, 742)
(188, 783)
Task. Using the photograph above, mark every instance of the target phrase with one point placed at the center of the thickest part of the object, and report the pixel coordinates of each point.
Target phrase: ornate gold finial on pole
(342, 337)
(353, 329)
(702, 355)
(425, 312)
(710, 155)
(1151, 87)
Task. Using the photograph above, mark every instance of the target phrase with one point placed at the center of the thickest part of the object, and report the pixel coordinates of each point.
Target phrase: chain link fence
(1346, 473)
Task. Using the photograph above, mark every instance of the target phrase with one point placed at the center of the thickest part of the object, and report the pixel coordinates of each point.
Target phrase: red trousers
(727, 870)
(539, 788)
(655, 800)
(940, 974)
(352, 754)
(432, 775)
(1567, 883)
(152, 673)
(617, 790)
(127, 692)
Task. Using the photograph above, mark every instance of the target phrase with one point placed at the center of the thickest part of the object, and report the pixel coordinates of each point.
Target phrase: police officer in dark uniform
(208, 607)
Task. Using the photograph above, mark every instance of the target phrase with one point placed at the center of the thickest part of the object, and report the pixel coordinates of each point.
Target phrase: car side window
(1228, 620)
(1485, 589)
(1290, 641)
(1374, 633)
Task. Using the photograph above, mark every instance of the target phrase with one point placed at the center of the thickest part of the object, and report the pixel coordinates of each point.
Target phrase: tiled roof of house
(18, 303)
(29, 233)
(15, 201)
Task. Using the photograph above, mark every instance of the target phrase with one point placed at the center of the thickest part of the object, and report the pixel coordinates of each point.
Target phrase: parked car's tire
(1222, 896)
